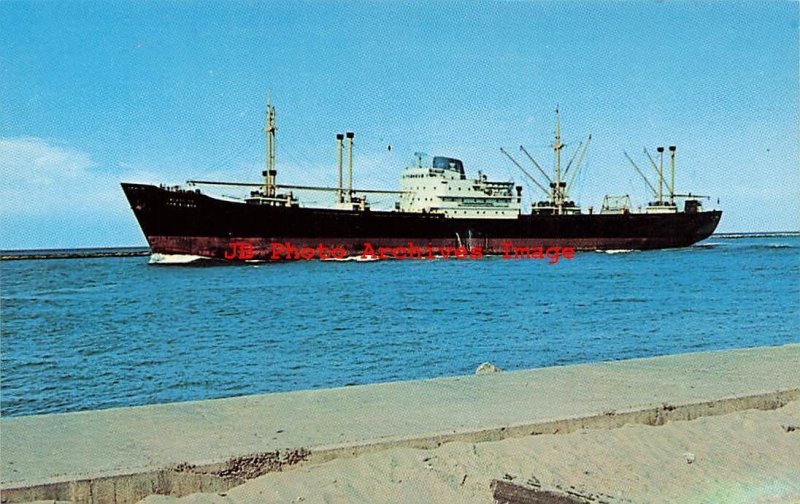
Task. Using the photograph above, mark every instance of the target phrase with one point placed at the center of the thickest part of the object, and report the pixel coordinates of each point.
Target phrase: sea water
(81, 334)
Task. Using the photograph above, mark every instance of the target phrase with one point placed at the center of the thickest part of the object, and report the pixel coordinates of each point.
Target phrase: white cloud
(40, 177)
(34, 161)
(53, 195)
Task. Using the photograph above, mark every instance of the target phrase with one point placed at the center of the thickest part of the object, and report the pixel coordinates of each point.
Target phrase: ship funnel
(350, 136)
(339, 140)
(660, 174)
(672, 174)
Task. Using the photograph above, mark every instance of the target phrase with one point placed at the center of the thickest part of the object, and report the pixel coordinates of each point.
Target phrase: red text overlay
(242, 250)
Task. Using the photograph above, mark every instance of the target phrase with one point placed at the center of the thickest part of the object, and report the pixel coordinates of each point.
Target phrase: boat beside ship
(438, 206)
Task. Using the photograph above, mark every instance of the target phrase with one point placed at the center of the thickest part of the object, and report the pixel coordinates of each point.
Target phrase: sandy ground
(747, 456)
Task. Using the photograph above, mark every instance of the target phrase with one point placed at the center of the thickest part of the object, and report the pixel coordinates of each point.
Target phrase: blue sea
(80, 334)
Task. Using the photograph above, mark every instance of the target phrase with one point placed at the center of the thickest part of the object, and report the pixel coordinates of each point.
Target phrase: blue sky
(93, 93)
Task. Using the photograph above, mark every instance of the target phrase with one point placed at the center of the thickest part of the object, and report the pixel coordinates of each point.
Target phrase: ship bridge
(441, 187)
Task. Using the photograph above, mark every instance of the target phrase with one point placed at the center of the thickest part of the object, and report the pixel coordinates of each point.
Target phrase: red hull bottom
(292, 248)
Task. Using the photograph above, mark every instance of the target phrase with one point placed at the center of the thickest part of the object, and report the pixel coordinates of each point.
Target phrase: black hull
(186, 222)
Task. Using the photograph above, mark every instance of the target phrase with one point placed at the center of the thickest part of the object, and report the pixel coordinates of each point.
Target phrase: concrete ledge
(123, 455)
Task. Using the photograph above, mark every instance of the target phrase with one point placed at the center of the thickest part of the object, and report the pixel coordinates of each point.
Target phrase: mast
(660, 174)
(672, 174)
(350, 136)
(340, 192)
(270, 173)
(557, 146)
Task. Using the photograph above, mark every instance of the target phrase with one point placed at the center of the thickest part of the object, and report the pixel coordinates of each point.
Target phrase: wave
(769, 246)
(776, 234)
(175, 258)
(616, 251)
(352, 259)
(628, 300)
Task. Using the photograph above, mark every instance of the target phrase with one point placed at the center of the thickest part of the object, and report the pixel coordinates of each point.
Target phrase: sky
(95, 93)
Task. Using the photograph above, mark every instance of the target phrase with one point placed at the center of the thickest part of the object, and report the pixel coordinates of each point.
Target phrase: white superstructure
(441, 187)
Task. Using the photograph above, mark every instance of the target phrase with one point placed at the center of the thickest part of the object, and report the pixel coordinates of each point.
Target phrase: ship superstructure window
(451, 164)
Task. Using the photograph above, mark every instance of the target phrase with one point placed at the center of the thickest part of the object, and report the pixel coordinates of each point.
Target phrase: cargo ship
(438, 207)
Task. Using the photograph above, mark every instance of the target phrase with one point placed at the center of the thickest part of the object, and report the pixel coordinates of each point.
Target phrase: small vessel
(437, 206)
